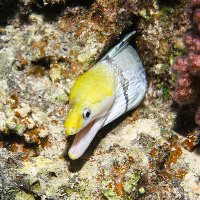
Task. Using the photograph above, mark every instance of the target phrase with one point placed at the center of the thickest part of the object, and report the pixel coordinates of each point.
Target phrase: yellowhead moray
(113, 86)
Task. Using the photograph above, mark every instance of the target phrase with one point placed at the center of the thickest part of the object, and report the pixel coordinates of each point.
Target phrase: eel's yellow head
(90, 100)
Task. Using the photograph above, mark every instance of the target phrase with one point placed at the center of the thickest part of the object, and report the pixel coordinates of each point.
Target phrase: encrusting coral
(188, 67)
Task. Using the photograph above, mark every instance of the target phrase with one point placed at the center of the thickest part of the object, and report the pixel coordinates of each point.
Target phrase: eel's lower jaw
(84, 137)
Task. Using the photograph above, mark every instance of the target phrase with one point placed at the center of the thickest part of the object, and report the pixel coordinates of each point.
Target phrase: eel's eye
(86, 113)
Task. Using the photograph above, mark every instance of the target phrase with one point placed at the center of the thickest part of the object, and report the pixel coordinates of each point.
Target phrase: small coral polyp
(187, 68)
(192, 41)
(194, 60)
(180, 65)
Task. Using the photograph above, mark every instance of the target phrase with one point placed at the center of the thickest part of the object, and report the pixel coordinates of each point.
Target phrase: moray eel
(113, 86)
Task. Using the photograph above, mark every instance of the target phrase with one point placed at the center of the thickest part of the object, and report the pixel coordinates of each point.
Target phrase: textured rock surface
(149, 153)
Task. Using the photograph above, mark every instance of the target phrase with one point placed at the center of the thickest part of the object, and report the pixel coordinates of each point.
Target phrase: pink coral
(187, 67)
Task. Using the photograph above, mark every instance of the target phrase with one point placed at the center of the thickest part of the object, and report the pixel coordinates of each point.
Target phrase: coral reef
(43, 49)
(158, 21)
(187, 67)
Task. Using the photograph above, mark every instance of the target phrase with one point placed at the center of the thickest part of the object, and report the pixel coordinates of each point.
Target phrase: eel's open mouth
(84, 137)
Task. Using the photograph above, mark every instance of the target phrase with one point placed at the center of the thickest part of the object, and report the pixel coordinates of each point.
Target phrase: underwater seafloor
(152, 152)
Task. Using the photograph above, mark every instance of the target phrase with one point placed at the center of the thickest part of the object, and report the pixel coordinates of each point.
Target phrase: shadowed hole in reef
(184, 123)
(11, 140)
(49, 11)
(185, 120)
(168, 3)
(7, 11)
(80, 3)
(39, 67)
(45, 62)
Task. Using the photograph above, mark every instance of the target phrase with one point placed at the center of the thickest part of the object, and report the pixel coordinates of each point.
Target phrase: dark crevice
(12, 138)
(50, 12)
(45, 62)
(168, 3)
(185, 120)
(8, 11)
(26, 190)
(80, 3)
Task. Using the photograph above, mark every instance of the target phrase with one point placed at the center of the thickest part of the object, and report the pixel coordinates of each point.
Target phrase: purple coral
(187, 68)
